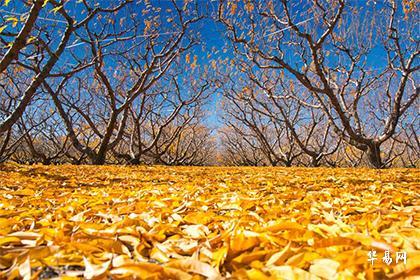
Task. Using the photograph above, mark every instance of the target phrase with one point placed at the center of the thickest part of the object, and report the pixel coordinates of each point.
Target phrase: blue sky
(212, 35)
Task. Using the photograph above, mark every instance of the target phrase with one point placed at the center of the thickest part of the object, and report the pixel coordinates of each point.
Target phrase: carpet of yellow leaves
(206, 222)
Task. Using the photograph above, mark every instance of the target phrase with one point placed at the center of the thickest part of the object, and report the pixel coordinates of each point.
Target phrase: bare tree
(40, 51)
(307, 126)
(259, 130)
(240, 148)
(160, 116)
(194, 145)
(307, 83)
(19, 39)
(343, 85)
(122, 73)
(282, 118)
(405, 146)
(44, 137)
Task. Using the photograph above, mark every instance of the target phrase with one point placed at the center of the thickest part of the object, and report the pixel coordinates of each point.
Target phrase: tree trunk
(135, 160)
(99, 159)
(287, 163)
(374, 156)
(315, 161)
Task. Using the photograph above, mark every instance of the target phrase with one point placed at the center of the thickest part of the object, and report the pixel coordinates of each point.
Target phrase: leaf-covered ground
(211, 222)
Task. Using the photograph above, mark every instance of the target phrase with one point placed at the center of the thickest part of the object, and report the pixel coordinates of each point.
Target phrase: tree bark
(374, 156)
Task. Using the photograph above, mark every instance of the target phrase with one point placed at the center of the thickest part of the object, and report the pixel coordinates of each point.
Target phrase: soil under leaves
(207, 222)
